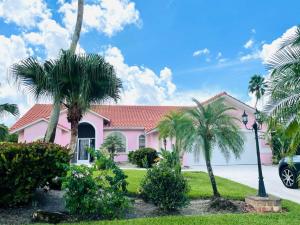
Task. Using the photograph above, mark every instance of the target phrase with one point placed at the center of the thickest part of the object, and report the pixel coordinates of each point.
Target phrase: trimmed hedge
(24, 167)
(143, 157)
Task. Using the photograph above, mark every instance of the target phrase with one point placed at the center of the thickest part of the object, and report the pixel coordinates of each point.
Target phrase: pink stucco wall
(37, 131)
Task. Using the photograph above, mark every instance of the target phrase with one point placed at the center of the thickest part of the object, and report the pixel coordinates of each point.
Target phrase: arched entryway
(86, 139)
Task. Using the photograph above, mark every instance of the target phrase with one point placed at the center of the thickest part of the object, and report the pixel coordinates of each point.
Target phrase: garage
(247, 157)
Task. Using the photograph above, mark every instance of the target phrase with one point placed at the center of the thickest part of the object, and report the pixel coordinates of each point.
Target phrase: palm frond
(9, 109)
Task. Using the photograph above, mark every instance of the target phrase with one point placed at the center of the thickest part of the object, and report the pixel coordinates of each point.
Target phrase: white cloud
(249, 44)
(12, 50)
(141, 84)
(25, 13)
(219, 55)
(256, 54)
(269, 49)
(253, 31)
(200, 52)
(107, 16)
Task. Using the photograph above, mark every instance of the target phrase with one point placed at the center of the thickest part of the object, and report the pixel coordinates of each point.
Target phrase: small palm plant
(214, 126)
(177, 126)
(112, 143)
(257, 86)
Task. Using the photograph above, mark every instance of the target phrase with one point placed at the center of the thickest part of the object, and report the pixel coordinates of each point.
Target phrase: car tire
(289, 177)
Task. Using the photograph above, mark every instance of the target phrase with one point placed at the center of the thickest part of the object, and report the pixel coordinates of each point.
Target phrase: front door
(83, 157)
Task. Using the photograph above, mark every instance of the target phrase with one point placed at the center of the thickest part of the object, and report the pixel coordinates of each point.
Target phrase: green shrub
(98, 191)
(143, 157)
(81, 195)
(24, 167)
(165, 187)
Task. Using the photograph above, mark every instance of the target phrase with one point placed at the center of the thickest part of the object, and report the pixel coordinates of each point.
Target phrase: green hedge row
(24, 167)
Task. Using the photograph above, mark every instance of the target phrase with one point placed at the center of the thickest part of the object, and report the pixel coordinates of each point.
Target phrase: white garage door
(248, 156)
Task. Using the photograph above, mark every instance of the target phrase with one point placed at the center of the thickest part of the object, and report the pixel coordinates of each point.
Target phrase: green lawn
(199, 184)
(200, 188)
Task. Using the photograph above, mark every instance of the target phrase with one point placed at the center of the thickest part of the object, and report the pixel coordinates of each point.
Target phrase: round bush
(143, 157)
(165, 188)
(24, 167)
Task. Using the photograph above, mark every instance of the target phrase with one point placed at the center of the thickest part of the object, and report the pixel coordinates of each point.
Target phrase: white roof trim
(152, 131)
(37, 121)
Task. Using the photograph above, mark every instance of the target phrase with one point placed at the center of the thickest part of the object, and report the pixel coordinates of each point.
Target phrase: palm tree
(53, 121)
(9, 109)
(84, 79)
(214, 126)
(257, 85)
(112, 143)
(176, 125)
(74, 80)
(284, 87)
(37, 78)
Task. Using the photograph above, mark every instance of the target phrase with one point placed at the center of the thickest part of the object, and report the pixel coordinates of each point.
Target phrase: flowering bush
(97, 191)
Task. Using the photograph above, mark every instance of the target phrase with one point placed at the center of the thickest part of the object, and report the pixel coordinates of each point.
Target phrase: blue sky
(165, 51)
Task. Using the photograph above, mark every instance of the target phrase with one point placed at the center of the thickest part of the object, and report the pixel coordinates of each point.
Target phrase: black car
(289, 171)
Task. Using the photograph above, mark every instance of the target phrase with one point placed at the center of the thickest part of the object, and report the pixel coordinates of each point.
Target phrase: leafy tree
(6, 136)
(177, 126)
(257, 85)
(112, 143)
(213, 125)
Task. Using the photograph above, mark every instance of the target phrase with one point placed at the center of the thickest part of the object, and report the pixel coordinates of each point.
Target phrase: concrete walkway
(248, 175)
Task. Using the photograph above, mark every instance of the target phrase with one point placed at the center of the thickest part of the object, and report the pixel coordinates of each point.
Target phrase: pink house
(136, 125)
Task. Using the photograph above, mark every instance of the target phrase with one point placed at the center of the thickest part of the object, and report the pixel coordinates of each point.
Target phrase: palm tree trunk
(51, 130)
(78, 26)
(73, 141)
(256, 101)
(210, 171)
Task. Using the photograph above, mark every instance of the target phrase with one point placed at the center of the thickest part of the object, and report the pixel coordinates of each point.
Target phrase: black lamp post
(257, 126)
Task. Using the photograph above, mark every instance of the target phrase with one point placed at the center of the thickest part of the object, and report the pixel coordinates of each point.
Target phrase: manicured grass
(200, 188)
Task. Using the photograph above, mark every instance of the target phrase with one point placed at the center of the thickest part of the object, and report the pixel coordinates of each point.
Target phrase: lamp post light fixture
(257, 125)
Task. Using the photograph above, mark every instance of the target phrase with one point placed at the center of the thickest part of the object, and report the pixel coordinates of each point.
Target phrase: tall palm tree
(284, 87)
(53, 121)
(84, 79)
(76, 80)
(112, 143)
(214, 126)
(176, 126)
(257, 85)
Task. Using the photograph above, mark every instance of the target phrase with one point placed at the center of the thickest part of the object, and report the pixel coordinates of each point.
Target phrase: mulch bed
(53, 201)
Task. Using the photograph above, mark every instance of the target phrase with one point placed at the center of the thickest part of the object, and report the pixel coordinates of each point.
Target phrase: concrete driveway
(248, 175)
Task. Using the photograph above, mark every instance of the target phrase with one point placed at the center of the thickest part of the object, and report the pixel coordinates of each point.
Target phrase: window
(123, 138)
(142, 141)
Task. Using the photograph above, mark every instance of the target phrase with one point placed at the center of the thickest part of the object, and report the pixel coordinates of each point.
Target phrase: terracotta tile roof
(133, 116)
(120, 116)
(38, 111)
